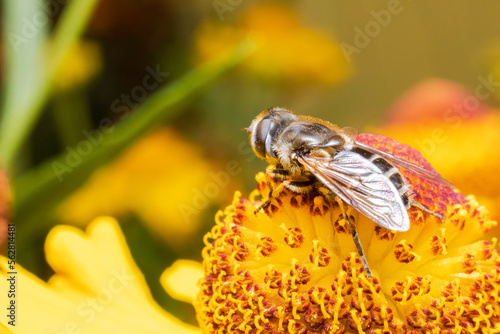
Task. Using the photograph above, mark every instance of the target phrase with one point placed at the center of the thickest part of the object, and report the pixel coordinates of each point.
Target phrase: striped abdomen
(391, 172)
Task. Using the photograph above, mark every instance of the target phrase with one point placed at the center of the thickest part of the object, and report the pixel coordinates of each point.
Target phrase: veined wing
(397, 161)
(363, 186)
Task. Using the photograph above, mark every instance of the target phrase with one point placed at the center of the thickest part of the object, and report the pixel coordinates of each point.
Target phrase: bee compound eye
(259, 136)
(266, 128)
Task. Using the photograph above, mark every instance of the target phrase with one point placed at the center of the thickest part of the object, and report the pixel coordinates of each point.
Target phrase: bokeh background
(109, 108)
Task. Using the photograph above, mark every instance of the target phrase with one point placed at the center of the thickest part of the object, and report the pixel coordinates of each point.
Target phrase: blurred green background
(77, 77)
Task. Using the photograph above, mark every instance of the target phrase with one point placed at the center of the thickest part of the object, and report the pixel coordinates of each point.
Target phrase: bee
(307, 153)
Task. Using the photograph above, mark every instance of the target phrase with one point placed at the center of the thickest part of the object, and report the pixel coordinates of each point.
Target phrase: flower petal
(4, 330)
(96, 288)
(181, 280)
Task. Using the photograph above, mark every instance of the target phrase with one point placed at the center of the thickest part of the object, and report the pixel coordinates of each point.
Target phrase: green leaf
(24, 38)
(43, 189)
(28, 87)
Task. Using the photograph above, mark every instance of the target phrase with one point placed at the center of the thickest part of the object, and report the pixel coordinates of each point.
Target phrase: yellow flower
(456, 132)
(82, 63)
(288, 51)
(96, 288)
(162, 179)
(294, 268)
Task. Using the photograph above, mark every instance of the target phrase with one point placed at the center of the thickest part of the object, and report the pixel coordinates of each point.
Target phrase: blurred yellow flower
(96, 288)
(162, 179)
(289, 52)
(81, 64)
(294, 268)
(456, 132)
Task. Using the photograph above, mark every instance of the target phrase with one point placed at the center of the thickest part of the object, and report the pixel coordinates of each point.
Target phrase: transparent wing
(434, 177)
(360, 184)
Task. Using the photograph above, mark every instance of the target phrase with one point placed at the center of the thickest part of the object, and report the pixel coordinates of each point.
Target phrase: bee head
(264, 130)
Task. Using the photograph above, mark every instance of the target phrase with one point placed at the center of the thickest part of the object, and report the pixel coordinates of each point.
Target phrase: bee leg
(355, 237)
(272, 194)
(277, 173)
(416, 204)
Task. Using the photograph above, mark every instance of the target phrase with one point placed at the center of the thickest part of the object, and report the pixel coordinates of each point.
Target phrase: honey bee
(307, 153)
